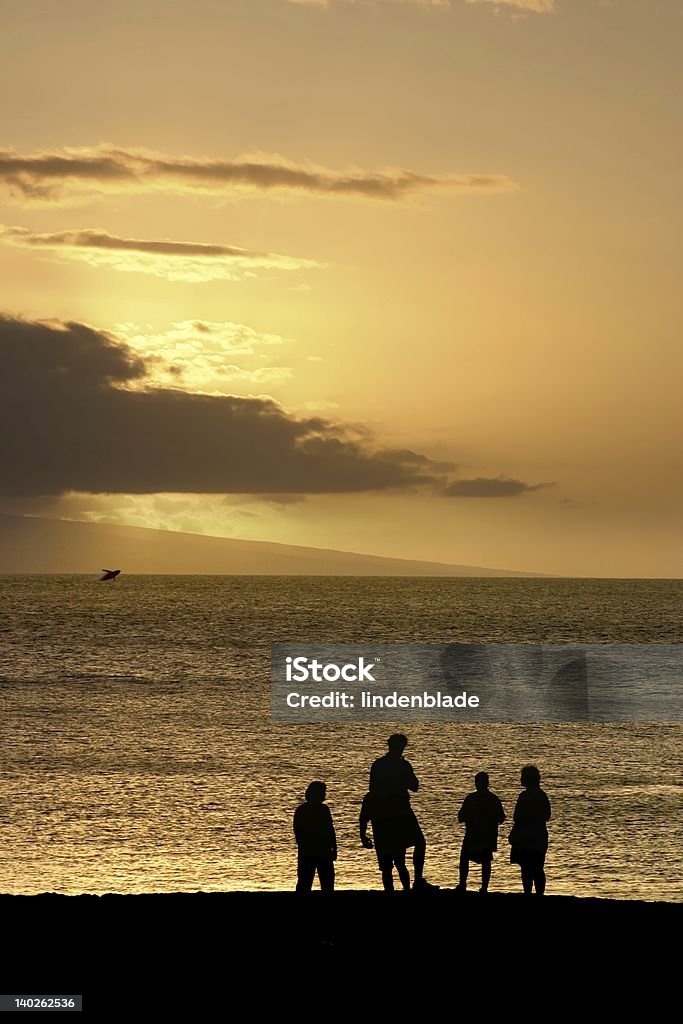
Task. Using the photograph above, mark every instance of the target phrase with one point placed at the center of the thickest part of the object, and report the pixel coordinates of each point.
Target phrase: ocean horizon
(139, 753)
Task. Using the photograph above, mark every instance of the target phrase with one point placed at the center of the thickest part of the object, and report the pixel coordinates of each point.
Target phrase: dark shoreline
(94, 945)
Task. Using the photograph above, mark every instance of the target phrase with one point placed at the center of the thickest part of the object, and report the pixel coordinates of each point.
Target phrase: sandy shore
(108, 945)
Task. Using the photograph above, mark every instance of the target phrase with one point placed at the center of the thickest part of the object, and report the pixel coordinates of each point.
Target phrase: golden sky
(396, 277)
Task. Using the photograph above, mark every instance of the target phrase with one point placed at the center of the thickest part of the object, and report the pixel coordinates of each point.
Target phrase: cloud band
(81, 173)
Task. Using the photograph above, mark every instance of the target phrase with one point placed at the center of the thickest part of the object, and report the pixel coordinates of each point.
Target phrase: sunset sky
(389, 276)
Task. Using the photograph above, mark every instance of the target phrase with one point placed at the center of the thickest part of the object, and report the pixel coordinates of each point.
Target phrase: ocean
(139, 755)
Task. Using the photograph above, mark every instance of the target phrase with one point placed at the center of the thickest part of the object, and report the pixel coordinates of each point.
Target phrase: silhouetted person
(388, 843)
(392, 779)
(316, 840)
(481, 813)
(529, 835)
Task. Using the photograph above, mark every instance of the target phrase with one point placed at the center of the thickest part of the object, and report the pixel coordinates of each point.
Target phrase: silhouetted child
(388, 842)
(481, 813)
(529, 835)
(316, 840)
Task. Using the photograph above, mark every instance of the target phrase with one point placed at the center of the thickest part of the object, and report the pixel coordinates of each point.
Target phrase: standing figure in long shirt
(529, 835)
(389, 848)
(392, 780)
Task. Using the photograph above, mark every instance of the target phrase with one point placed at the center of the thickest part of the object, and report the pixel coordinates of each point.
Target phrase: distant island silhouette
(36, 545)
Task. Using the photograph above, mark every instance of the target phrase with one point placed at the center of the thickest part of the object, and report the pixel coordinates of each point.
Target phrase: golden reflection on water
(138, 753)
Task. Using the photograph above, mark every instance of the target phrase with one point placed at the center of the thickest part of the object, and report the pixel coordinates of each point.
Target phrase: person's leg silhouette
(386, 866)
(539, 882)
(419, 854)
(305, 873)
(464, 868)
(326, 874)
(403, 873)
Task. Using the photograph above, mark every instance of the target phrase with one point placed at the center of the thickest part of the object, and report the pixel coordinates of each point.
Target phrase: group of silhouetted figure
(387, 809)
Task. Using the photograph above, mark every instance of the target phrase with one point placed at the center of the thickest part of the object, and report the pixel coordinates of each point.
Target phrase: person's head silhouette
(397, 743)
(481, 781)
(316, 793)
(530, 776)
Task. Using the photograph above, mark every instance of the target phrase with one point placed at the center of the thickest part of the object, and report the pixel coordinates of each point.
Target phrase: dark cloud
(190, 261)
(490, 487)
(52, 176)
(71, 421)
(270, 499)
(92, 238)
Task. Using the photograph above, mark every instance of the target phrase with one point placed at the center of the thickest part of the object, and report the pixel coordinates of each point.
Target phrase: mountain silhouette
(29, 544)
